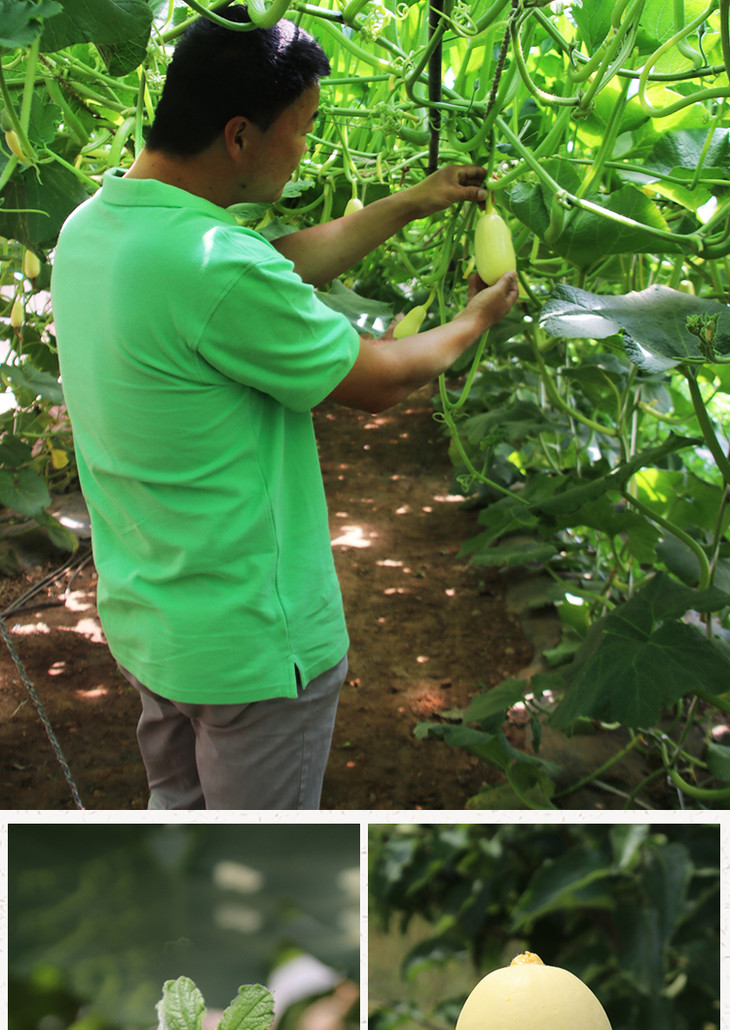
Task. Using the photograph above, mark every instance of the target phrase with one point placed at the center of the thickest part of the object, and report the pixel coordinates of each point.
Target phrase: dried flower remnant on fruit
(529, 995)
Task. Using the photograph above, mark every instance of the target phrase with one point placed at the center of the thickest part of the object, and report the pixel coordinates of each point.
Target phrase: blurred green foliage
(100, 916)
(633, 910)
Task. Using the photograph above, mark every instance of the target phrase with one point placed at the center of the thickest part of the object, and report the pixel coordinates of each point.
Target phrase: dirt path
(426, 632)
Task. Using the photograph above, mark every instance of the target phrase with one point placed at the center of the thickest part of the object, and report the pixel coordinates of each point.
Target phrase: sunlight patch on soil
(93, 694)
(33, 627)
(354, 536)
(90, 629)
(79, 601)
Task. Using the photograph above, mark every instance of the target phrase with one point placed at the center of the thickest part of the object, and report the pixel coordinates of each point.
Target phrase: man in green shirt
(192, 352)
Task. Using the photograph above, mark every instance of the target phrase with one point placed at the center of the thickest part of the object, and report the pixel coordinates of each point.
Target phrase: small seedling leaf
(182, 1006)
(252, 1009)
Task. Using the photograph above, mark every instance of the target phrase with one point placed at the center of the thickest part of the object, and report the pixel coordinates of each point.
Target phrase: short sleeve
(269, 330)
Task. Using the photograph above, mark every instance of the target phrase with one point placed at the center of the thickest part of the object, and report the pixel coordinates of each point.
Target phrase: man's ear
(237, 134)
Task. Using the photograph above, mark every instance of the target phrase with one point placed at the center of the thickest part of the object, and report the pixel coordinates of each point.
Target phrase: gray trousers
(261, 755)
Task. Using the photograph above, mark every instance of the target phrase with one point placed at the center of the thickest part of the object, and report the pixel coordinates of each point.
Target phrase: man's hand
(385, 373)
(488, 305)
(451, 184)
(324, 251)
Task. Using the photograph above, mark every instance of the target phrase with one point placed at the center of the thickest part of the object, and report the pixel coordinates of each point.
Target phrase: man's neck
(194, 175)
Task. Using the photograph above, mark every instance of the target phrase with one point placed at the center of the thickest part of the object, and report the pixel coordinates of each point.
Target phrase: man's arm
(384, 375)
(322, 252)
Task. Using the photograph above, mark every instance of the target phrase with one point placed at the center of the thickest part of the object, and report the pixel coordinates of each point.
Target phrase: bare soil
(427, 632)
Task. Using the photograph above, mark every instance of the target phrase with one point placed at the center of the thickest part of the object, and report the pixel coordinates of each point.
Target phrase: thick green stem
(474, 474)
(555, 397)
(705, 575)
(692, 241)
(667, 47)
(14, 120)
(713, 444)
(264, 16)
(590, 777)
(725, 33)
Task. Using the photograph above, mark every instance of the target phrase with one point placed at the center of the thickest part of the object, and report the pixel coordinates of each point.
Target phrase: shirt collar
(128, 192)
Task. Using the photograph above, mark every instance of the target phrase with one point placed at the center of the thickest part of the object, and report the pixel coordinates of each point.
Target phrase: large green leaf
(96, 21)
(653, 323)
(641, 658)
(122, 58)
(570, 492)
(23, 491)
(43, 204)
(580, 878)
(588, 234)
(490, 707)
(366, 315)
(594, 21)
(22, 20)
(28, 382)
(688, 149)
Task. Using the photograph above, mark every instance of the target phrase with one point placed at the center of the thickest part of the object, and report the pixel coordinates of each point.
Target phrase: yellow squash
(528, 995)
(411, 323)
(31, 265)
(17, 313)
(493, 248)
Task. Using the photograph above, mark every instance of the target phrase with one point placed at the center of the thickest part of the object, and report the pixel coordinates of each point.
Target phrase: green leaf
(252, 1009)
(575, 493)
(14, 451)
(366, 315)
(504, 517)
(35, 384)
(666, 880)
(684, 148)
(588, 233)
(718, 761)
(653, 322)
(182, 1006)
(22, 20)
(504, 796)
(519, 553)
(48, 201)
(97, 21)
(24, 491)
(594, 21)
(514, 421)
(122, 58)
(683, 498)
(58, 533)
(573, 880)
(640, 658)
(490, 707)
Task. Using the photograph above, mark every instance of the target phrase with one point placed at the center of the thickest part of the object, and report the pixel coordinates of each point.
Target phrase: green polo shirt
(191, 355)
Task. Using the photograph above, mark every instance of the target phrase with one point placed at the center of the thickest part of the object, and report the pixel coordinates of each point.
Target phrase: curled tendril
(376, 21)
(461, 20)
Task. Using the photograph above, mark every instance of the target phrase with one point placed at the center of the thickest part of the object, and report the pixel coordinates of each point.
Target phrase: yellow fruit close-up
(411, 322)
(11, 138)
(493, 248)
(31, 265)
(17, 313)
(528, 995)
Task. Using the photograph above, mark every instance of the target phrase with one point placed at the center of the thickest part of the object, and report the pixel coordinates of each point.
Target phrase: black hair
(217, 73)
